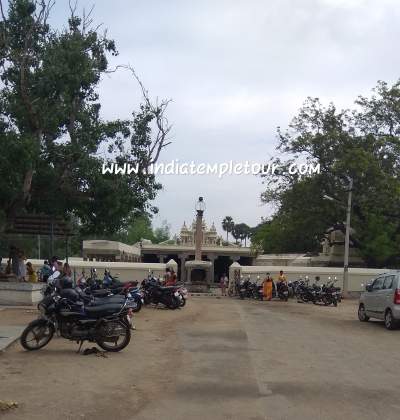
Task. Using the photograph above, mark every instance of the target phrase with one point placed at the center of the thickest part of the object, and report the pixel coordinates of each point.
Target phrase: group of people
(23, 270)
(16, 265)
(267, 284)
(55, 271)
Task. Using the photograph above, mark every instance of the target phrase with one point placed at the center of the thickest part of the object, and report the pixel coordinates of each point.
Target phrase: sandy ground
(217, 359)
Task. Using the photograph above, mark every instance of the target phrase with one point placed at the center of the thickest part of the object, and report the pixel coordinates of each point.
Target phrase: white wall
(127, 271)
(357, 276)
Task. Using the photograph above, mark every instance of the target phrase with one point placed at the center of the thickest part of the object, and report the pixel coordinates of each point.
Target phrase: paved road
(219, 359)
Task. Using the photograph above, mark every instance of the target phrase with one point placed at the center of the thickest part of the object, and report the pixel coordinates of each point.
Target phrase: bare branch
(2, 11)
(73, 8)
(87, 19)
(158, 111)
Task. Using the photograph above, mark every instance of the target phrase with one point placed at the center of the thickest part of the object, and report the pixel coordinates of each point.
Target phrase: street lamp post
(347, 238)
(347, 242)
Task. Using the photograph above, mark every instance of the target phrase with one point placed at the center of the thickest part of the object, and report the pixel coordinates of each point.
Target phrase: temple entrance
(150, 258)
(197, 275)
(221, 266)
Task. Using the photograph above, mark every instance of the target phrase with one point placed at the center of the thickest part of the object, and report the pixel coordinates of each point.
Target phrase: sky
(235, 70)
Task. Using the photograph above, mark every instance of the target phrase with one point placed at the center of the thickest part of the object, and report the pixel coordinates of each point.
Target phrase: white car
(381, 300)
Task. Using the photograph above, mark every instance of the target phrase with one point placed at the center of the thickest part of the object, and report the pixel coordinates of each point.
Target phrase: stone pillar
(182, 258)
(199, 235)
(212, 258)
(161, 258)
(235, 272)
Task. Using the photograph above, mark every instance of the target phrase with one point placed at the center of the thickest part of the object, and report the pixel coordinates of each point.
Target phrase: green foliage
(228, 225)
(162, 233)
(241, 231)
(364, 145)
(52, 135)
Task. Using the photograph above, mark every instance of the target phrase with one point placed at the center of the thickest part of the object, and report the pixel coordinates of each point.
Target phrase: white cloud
(236, 70)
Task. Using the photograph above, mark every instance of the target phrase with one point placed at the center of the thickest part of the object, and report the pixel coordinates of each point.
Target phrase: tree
(242, 232)
(51, 129)
(236, 232)
(362, 144)
(162, 233)
(227, 225)
(140, 228)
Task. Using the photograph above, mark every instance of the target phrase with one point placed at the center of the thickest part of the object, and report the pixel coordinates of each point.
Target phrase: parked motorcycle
(107, 324)
(184, 294)
(257, 291)
(168, 296)
(283, 291)
(245, 290)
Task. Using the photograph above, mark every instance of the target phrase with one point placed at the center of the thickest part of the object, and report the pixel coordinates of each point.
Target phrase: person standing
(22, 266)
(226, 282)
(282, 277)
(281, 281)
(222, 285)
(267, 287)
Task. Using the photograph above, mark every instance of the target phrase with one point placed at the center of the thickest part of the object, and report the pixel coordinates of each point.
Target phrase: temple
(188, 236)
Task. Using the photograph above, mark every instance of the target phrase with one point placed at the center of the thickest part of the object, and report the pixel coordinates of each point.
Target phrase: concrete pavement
(276, 361)
(219, 359)
(8, 334)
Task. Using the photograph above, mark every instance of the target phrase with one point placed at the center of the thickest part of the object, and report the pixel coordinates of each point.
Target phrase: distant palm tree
(237, 233)
(227, 225)
(242, 231)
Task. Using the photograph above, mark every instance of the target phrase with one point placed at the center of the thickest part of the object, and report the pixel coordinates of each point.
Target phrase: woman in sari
(267, 287)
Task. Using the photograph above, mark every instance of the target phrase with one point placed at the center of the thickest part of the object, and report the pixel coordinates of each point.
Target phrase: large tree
(52, 136)
(362, 144)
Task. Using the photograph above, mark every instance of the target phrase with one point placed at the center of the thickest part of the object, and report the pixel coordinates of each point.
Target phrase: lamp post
(200, 207)
(347, 242)
(346, 238)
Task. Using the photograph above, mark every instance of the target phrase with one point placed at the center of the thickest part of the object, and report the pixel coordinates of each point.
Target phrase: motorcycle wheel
(183, 302)
(326, 301)
(107, 335)
(174, 303)
(139, 306)
(39, 332)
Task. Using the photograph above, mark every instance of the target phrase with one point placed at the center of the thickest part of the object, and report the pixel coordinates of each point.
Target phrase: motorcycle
(283, 291)
(107, 324)
(184, 295)
(257, 291)
(245, 290)
(155, 293)
(112, 286)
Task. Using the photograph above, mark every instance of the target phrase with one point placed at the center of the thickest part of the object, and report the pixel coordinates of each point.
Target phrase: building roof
(172, 249)
(98, 246)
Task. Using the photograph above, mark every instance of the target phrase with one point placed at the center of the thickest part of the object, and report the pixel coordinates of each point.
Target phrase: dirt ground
(56, 383)
(217, 359)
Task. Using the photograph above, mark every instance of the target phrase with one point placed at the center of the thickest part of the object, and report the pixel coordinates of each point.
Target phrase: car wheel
(362, 316)
(390, 322)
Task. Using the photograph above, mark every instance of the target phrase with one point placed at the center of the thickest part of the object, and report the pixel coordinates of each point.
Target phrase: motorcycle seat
(100, 293)
(103, 310)
(105, 300)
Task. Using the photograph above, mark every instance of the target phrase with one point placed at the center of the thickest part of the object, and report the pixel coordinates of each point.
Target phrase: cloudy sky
(236, 70)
